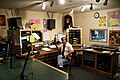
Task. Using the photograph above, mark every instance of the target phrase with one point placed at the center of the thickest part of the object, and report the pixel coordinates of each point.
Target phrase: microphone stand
(11, 51)
(22, 76)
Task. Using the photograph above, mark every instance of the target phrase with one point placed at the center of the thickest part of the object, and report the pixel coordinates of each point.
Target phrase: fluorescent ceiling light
(62, 1)
(43, 6)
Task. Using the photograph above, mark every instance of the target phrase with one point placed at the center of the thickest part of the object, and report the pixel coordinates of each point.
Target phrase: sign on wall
(35, 24)
(113, 18)
(102, 21)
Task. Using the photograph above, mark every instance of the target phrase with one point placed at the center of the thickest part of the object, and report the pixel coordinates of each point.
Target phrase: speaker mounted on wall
(14, 23)
(50, 24)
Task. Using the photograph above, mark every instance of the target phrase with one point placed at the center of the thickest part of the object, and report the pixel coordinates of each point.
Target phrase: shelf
(22, 37)
(100, 62)
(74, 36)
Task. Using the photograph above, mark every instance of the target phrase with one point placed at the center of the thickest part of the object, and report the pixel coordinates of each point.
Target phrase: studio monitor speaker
(14, 23)
(50, 24)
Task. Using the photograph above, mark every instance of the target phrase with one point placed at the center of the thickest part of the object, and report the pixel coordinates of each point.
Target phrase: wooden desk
(42, 52)
(103, 62)
(49, 57)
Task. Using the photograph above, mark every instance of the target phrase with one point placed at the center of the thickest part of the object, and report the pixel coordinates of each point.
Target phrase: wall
(3, 29)
(27, 15)
(87, 21)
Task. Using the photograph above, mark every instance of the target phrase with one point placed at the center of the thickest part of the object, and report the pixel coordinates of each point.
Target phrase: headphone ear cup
(63, 38)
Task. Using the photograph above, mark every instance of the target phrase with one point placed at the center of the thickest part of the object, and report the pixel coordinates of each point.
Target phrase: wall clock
(96, 15)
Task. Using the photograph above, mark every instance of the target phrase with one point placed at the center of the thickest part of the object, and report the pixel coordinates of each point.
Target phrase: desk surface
(41, 71)
(75, 49)
(48, 52)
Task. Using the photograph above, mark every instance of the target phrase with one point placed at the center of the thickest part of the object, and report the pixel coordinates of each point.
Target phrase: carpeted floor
(80, 74)
(77, 72)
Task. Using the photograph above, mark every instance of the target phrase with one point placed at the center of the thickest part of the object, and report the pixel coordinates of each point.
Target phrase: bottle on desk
(83, 46)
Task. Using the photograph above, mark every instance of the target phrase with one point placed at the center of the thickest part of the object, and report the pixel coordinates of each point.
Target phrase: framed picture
(114, 37)
(2, 20)
(98, 35)
(113, 19)
(102, 21)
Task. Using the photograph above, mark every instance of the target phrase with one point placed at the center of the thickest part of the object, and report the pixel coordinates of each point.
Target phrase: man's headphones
(64, 38)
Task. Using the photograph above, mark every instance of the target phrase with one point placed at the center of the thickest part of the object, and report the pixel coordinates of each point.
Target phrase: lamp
(97, 1)
(91, 7)
(82, 8)
(43, 6)
(105, 3)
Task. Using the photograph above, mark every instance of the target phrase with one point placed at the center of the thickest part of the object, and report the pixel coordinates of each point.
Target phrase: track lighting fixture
(82, 8)
(91, 7)
(97, 0)
(105, 3)
(51, 4)
(71, 12)
(43, 6)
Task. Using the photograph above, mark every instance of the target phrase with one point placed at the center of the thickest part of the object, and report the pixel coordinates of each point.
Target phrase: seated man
(66, 50)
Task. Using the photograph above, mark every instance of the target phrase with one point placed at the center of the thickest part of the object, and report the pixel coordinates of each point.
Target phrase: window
(98, 35)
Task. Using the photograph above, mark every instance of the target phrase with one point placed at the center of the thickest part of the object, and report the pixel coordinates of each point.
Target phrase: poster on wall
(35, 24)
(2, 20)
(114, 37)
(113, 18)
(44, 25)
(102, 21)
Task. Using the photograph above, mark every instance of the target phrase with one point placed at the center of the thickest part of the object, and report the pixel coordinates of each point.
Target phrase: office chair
(67, 66)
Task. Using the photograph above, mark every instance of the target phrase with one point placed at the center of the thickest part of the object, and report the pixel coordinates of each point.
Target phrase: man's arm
(57, 45)
(70, 52)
